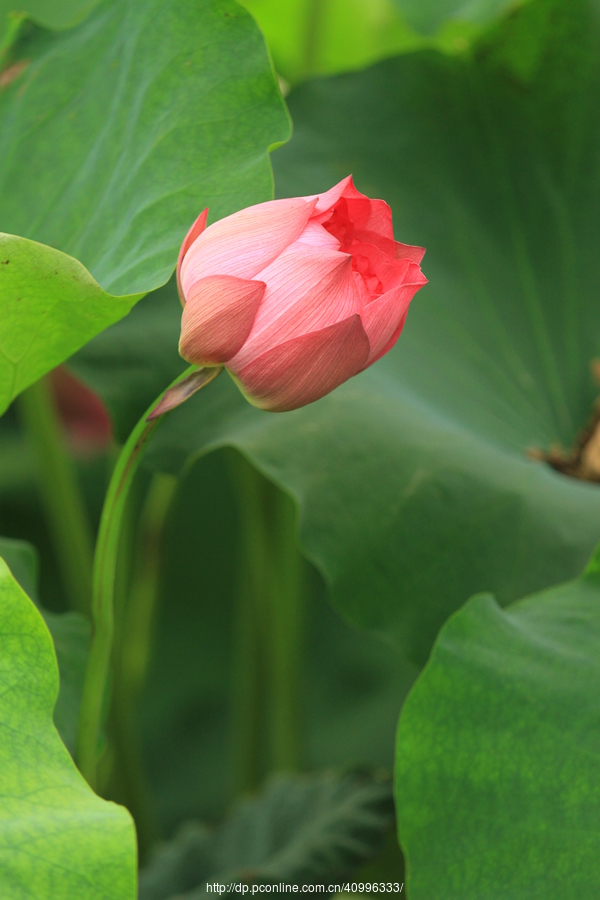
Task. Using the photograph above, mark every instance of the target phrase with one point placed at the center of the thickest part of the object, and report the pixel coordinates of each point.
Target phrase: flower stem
(103, 601)
(61, 493)
(105, 562)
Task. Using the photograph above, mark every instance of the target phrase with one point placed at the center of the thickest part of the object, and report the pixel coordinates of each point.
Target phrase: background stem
(131, 659)
(60, 491)
(314, 19)
(269, 622)
(248, 673)
(286, 635)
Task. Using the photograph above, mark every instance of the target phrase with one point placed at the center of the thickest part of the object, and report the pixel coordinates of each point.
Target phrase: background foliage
(411, 488)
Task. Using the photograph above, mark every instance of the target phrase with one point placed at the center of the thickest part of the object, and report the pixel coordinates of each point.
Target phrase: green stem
(102, 604)
(105, 562)
(61, 493)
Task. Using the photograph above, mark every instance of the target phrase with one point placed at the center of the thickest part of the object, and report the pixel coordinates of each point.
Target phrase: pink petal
(315, 236)
(194, 232)
(372, 220)
(406, 251)
(246, 242)
(306, 368)
(392, 340)
(369, 220)
(383, 318)
(326, 202)
(307, 289)
(363, 220)
(218, 317)
(376, 266)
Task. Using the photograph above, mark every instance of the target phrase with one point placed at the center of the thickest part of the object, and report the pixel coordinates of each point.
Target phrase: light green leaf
(70, 633)
(116, 134)
(302, 830)
(323, 37)
(57, 839)
(329, 36)
(414, 480)
(497, 786)
(49, 307)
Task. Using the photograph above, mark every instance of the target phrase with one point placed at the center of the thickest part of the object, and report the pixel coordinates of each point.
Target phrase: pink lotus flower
(296, 296)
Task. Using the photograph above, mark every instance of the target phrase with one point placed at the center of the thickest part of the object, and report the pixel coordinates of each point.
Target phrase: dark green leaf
(414, 480)
(58, 840)
(16, 466)
(497, 757)
(301, 830)
(429, 15)
(21, 559)
(116, 134)
(350, 682)
(71, 636)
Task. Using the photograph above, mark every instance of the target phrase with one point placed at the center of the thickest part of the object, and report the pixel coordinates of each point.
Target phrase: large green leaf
(50, 13)
(414, 482)
(121, 177)
(49, 307)
(116, 134)
(497, 781)
(301, 830)
(57, 839)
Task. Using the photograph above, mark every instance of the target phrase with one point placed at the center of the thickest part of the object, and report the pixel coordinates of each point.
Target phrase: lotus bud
(296, 296)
